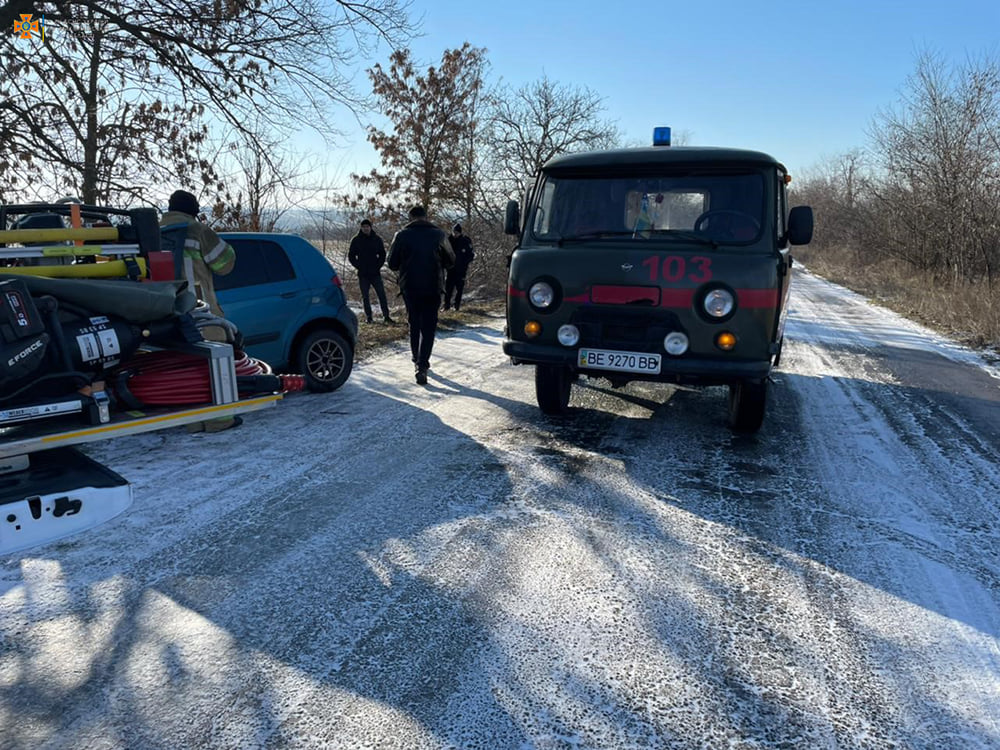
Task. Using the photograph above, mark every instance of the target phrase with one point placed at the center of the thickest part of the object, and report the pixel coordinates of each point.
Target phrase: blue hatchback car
(286, 300)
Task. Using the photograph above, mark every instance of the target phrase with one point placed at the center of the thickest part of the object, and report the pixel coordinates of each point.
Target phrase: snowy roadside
(892, 328)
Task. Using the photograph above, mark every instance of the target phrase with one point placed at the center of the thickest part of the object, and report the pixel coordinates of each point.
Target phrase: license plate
(605, 359)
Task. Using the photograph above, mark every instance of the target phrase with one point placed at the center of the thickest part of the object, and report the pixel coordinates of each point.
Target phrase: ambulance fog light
(725, 341)
(532, 328)
(676, 343)
(719, 303)
(568, 335)
(541, 295)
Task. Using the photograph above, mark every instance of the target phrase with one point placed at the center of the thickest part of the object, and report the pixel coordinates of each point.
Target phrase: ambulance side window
(542, 223)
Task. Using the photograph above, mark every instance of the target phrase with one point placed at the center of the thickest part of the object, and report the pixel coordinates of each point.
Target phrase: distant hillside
(309, 221)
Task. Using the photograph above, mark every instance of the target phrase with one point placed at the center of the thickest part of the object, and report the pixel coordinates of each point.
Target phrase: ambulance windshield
(723, 208)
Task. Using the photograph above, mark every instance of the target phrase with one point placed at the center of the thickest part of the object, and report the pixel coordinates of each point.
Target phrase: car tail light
(336, 281)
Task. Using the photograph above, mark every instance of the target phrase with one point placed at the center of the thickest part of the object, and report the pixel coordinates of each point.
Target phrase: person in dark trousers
(420, 253)
(367, 255)
(454, 283)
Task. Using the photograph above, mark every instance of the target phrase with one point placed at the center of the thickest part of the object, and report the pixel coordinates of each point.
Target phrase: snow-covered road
(399, 566)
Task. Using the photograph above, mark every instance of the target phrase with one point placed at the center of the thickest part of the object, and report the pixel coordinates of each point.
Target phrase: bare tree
(261, 181)
(540, 120)
(837, 192)
(119, 91)
(938, 194)
(77, 124)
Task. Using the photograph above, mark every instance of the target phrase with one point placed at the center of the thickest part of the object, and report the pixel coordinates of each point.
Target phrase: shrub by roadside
(967, 312)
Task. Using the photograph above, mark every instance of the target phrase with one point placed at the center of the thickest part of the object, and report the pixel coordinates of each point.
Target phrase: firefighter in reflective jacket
(205, 253)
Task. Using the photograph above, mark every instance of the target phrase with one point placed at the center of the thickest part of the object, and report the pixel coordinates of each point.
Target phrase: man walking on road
(455, 282)
(367, 255)
(419, 254)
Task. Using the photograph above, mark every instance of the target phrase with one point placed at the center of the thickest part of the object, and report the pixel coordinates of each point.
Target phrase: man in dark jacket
(461, 245)
(419, 254)
(367, 255)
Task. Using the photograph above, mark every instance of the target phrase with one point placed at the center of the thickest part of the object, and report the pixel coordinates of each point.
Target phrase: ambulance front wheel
(552, 387)
(747, 402)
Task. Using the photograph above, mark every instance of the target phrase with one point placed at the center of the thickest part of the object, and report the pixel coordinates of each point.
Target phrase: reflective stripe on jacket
(205, 253)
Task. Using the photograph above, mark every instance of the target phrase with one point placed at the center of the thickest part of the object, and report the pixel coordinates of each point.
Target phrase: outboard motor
(48, 350)
(23, 340)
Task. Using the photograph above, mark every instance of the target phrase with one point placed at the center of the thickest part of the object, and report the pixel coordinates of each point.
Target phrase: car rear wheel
(325, 359)
(747, 401)
(552, 387)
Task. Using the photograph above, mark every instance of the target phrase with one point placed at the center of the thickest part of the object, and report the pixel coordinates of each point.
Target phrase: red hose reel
(165, 378)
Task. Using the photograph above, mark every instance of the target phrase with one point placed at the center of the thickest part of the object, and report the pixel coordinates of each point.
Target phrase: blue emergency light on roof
(661, 136)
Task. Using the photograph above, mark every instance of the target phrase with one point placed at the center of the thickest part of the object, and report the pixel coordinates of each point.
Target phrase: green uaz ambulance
(661, 263)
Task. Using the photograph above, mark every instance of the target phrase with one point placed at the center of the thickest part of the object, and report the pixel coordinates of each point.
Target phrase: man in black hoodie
(367, 255)
(420, 254)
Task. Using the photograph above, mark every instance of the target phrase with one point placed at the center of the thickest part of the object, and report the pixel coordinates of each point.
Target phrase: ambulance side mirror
(800, 225)
(512, 218)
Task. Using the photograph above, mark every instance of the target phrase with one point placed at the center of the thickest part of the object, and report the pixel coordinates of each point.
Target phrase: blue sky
(799, 80)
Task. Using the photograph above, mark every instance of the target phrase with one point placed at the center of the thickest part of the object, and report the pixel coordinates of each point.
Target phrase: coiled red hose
(165, 378)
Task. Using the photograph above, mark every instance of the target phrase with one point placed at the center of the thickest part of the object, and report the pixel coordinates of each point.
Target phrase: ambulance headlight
(568, 335)
(541, 295)
(676, 343)
(719, 303)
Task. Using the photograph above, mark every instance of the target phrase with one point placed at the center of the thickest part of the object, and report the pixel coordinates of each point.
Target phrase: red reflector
(757, 298)
(513, 292)
(336, 281)
(624, 295)
(680, 298)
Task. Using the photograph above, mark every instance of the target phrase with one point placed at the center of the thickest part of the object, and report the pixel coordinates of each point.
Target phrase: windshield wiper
(596, 235)
(677, 235)
(683, 234)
